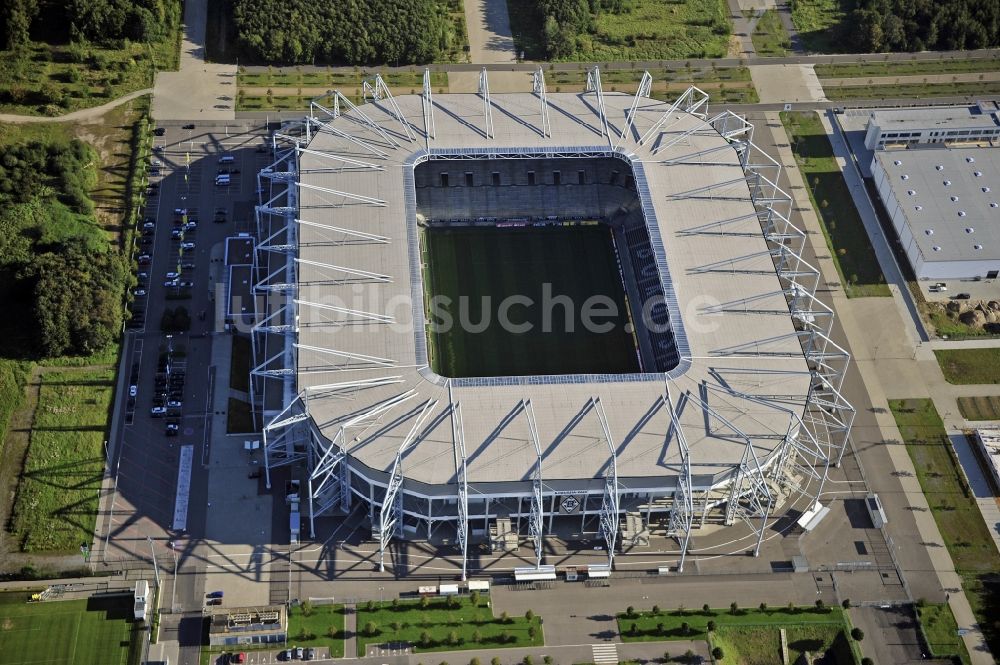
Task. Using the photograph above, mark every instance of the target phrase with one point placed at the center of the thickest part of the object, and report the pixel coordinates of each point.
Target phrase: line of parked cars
(168, 395)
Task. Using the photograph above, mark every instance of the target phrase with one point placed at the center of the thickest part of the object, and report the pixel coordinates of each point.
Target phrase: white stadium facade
(736, 409)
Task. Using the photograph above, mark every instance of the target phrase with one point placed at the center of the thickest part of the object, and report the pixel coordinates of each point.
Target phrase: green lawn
(57, 498)
(239, 368)
(969, 366)
(485, 266)
(410, 620)
(239, 417)
(896, 68)
(318, 626)
(762, 645)
(819, 24)
(645, 30)
(954, 508)
(769, 36)
(980, 408)
(291, 77)
(914, 90)
(648, 625)
(95, 631)
(845, 234)
(941, 631)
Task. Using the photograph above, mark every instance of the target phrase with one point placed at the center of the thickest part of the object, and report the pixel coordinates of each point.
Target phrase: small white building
(141, 605)
(944, 204)
(940, 124)
(988, 441)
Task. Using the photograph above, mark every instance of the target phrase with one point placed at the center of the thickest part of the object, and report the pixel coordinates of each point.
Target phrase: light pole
(173, 592)
(152, 553)
(380, 590)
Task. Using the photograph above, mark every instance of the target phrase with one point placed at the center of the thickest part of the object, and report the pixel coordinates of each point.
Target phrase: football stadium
(487, 321)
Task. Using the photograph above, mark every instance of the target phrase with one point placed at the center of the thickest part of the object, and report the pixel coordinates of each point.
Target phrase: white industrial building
(944, 204)
(935, 125)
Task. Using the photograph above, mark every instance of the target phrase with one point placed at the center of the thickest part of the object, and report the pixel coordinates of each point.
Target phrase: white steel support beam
(350, 232)
(391, 514)
(645, 87)
(682, 510)
(427, 103)
(594, 85)
(609, 504)
(327, 127)
(461, 471)
(354, 314)
(538, 87)
(690, 101)
(347, 195)
(372, 125)
(354, 272)
(332, 156)
(484, 92)
(535, 521)
(380, 91)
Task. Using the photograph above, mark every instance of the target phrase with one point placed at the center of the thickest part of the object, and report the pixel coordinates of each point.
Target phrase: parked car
(186, 284)
(190, 225)
(188, 265)
(297, 653)
(144, 259)
(177, 233)
(187, 245)
(175, 404)
(173, 275)
(215, 594)
(170, 283)
(159, 131)
(188, 126)
(149, 225)
(140, 292)
(962, 296)
(133, 390)
(142, 276)
(171, 429)
(158, 412)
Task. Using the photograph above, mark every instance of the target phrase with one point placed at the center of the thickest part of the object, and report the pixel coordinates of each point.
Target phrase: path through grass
(845, 233)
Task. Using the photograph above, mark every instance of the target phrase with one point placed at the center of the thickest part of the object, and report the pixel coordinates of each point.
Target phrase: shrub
(867, 661)
(685, 628)
(425, 602)
(474, 661)
(706, 609)
(846, 603)
(474, 598)
(370, 605)
(371, 629)
(453, 638)
(307, 608)
(504, 617)
(506, 637)
(495, 661)
(656, 609)
(529, 615)
(711, 626)
(734, 608)
(857, 634)
(718, 653)
(820, 605)
(532, 632)
(395, 604)
(527, 660)
(633, 629)
(425, 639)
(763, 607)
(660, 628)
(547, 660)
(630, 611)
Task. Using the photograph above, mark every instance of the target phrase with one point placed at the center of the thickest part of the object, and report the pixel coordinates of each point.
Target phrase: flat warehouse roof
(950, 199)
(944, 117)
(359, 347)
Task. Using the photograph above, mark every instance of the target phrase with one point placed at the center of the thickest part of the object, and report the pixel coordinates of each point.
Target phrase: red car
(238, 658)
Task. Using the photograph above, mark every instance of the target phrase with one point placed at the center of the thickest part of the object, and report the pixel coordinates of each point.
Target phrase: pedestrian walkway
(786, 83)
(350, 631)
(76, 116)
(488, 26)
(605, 654)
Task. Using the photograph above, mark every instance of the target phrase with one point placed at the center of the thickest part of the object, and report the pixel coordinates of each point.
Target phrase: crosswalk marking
(605, 654)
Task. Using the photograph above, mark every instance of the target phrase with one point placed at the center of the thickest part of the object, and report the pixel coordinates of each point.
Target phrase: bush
(453, 638)
(706, 609)
(529, 615)
(857, 634)
(846, 603)
(425, 602)
(711, 626)
(718, 653)
(532, 632)
(425, 639)
(506, 637)
(495, 661)
(371, 629)
(685, 628)
(867, 661)
(474, 661)
(370, 605)
(474, 598)
(630, 611)
(633, 629)
(528, 660)
(734, 608)
(504, 617)
(395, 604)
(660, 629)
(477, 636)
(656, 609)
(547, 660)
(763, 607)
(820, 605)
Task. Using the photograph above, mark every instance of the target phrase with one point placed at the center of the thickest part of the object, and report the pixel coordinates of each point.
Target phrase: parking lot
(168, 354)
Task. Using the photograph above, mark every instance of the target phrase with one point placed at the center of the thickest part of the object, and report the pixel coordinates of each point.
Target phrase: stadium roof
(953, 211)
(740, 334)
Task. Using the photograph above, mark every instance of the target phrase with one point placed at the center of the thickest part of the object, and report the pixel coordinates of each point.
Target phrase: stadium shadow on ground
(539, 266)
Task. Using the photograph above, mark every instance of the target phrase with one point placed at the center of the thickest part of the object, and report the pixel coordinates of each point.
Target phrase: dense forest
(350, 31)
(102, 22)
(875, 26)
(59, 279)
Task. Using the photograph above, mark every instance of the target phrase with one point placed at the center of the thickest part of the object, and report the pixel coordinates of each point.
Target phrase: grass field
(980, 408)
(969, 366)
(95, 631)
(913, 90)
(896, 68)
(289, 77)
(475, 270)
(57, 497)
(941, 631)
(954, 508)
(762, 645)
(409, 621)
(819, 22)
(648, 625)
(845, 233)
(317, 626)
(769, 36)
(646, 30)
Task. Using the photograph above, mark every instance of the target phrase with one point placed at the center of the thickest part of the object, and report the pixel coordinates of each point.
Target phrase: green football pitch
(94, 631)
(485, 266)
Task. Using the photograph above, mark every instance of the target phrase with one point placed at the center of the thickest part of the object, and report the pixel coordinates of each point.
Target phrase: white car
(173, 275)
(157, 411)
(132, 390)
(187, 245)
(170, 283)
(175, 404)
(140, 292)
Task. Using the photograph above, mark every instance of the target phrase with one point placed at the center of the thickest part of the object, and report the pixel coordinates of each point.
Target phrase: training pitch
(93, 631)
(483, 266)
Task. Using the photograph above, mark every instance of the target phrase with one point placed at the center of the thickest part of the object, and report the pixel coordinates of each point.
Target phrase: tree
(474, 661)
(867, 661)
(846, 603)
(504, 617)
(630, 611)
(532, 632)
(307, 608)
(706, 609)
(395, 604)
(495, 660)
(371, 629)
(820, 605)
(656, 609)
(711, 626)
(547, 660)
(660, 628)
(528, 660)
(529, 615)
(685, 628)
(333, 631)
(633, 629)
(474, 598)
(734, 608)
(506, 637)
(425, 602)
(680, 610)
(689, 656)
(718, 653)
(425, 639)
(395, 625)
(857, 634)
(666, 657)
(763, 607)
(453, 638)
(477, 636)
(370, 605)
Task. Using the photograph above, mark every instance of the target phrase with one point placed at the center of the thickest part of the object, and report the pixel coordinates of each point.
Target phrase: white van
(227, 159)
